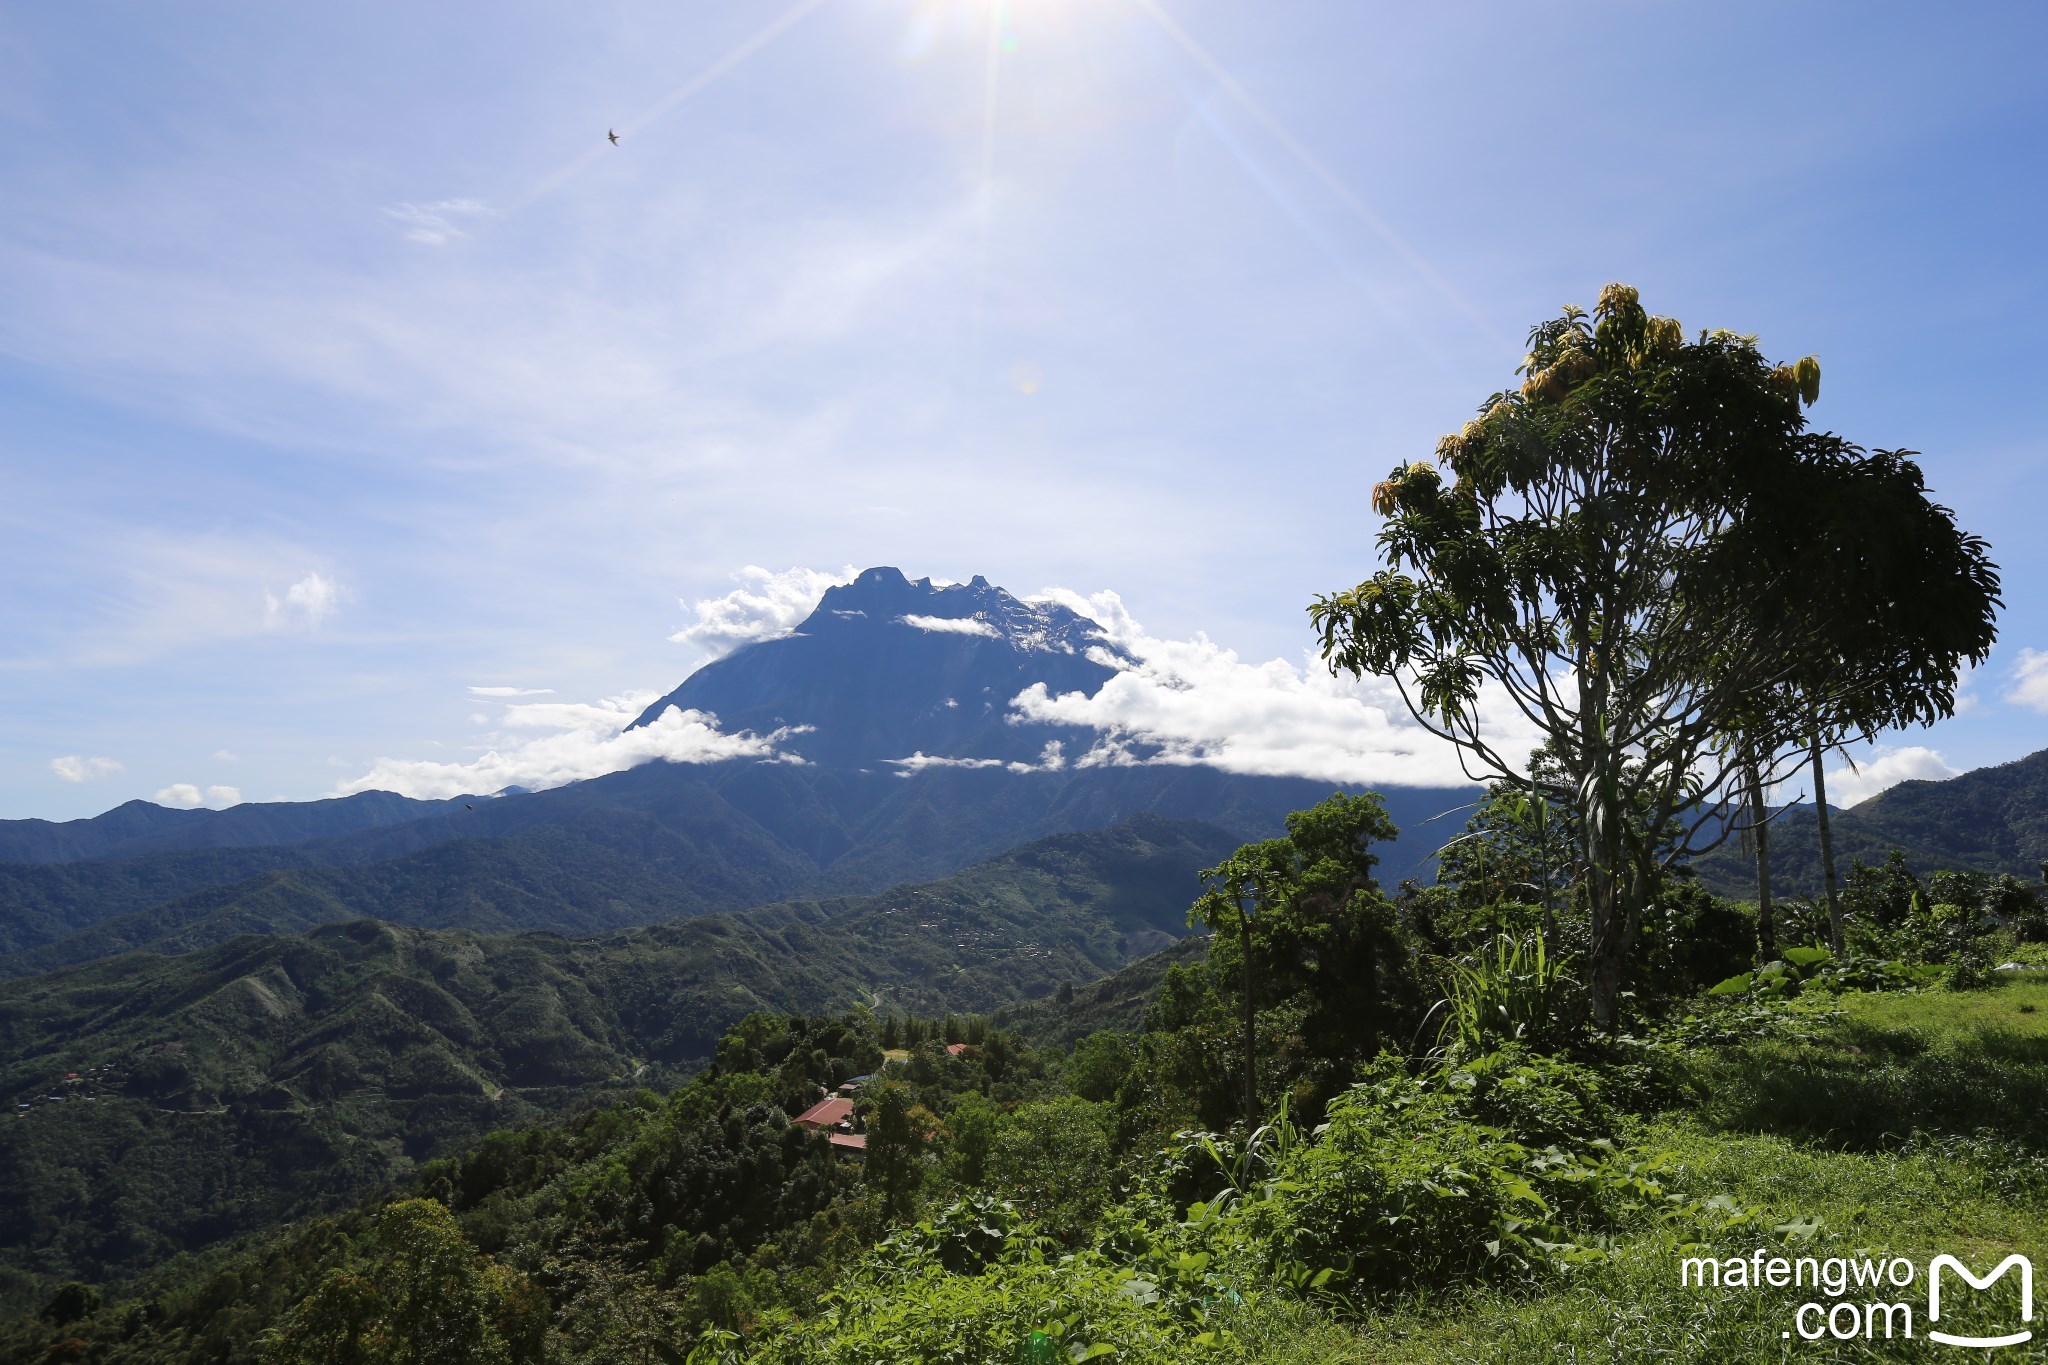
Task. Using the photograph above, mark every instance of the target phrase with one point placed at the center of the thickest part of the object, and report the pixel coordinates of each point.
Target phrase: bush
(1075, 1308)
(1401, 1187)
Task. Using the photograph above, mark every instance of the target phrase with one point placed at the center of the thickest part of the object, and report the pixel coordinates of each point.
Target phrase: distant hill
(274, 1075)
(140, 827)
(1987, 820)
(635, 847)
(1115, 1002)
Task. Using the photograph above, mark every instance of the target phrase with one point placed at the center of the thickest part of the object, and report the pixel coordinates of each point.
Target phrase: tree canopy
(1644, 552)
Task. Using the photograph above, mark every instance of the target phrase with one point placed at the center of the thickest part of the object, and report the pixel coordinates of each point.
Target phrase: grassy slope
(1912, 1125)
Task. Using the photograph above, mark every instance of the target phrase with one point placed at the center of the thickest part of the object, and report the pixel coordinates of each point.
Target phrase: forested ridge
(1102, 1188)
(277, 1074)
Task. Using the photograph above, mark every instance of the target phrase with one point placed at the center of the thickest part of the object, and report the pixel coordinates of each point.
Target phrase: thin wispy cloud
(2030, 681)
(307, 602)
(476, 691)
(78, 768)
(189, 796)
(950, 625)
(436, 224)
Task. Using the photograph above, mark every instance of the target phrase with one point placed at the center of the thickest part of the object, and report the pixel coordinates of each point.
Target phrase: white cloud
(186, 796)
(76, 768)
(587, 740)
(475, 691)
(1050, 759)
(435, 224)
(2030, 681)
(765, 605)
(1194, 702)
(948, 625)
(224, 756)
(307, 602)
(1885, 768)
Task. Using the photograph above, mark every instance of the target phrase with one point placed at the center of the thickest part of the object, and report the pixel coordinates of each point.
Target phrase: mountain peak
(884, 598)
(889, 668)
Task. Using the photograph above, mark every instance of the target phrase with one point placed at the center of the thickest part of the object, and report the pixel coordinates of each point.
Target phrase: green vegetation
(637, 847)
(1496, 1188)
(1495, 1208)
(1503, 1117)
(1988, 820)
(229, 1089)
(1665, 572)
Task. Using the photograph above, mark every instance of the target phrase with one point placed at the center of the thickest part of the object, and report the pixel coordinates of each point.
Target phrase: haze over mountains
(890, 751)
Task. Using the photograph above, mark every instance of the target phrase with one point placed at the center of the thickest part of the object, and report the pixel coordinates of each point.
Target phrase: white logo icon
(2026, 1269)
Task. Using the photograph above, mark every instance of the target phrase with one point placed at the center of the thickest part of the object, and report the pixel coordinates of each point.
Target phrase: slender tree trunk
(1827, 846)
(1605, 894)
(1251, 1075)
(1760, 834)
(1542, 815)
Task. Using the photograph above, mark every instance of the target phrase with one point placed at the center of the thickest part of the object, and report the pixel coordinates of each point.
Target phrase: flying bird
(613, 136)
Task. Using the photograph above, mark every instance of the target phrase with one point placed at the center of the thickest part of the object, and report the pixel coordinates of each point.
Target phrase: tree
(72, 1301)
(1098, 1065)
(895, 1143)
(1052, 1159)
(1310, 921)
(1922, 598)
(1610, 560)
(427, 1296)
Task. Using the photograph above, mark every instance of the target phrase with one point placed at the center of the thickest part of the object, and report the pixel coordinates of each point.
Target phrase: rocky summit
(889, 668)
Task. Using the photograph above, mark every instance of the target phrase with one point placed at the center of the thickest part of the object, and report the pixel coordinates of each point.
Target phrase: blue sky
(345, 368)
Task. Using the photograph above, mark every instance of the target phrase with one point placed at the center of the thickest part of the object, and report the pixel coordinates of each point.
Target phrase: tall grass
(1510, 991)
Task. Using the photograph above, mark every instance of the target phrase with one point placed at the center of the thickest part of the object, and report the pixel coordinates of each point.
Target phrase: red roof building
(826, 1114)
(955, 1049)
(852, 1142)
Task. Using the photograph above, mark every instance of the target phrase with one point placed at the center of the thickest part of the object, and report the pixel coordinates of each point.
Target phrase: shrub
(1401, 1187)
(1075, 1308)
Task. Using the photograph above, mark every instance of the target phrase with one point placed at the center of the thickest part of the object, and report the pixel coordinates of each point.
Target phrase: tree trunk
(1827, 848)
(1251, 1036)
(1760, 834)
(1606, 893)
(1542, 816)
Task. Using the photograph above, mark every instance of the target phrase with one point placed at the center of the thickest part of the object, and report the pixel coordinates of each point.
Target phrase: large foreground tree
(1624, 554)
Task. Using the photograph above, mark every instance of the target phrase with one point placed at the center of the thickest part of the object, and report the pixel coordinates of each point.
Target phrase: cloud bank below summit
(1181, 702)
(587, 740)
(1175, 702)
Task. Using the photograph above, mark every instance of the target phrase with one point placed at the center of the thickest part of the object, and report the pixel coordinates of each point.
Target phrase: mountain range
(1991, 819)
(162, 1102)
(218, 1020)
(897, 762)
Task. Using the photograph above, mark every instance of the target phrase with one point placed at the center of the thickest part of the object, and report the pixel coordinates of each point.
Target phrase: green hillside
(275, 1075)
(1988, 820)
